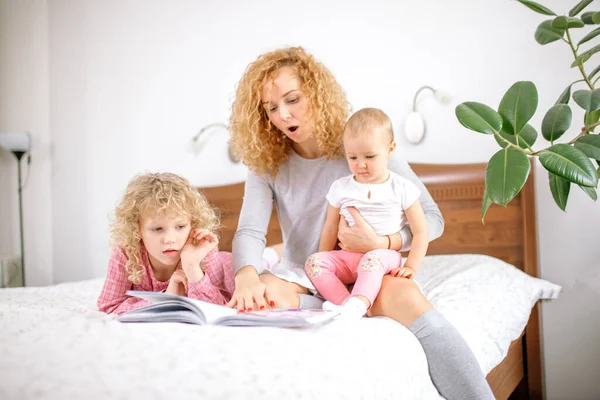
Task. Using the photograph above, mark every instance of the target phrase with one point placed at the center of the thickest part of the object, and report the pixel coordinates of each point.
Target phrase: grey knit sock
(454, 369)
(309, 301)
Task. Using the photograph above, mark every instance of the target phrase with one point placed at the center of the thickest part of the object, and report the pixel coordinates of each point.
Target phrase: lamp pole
(19, 155)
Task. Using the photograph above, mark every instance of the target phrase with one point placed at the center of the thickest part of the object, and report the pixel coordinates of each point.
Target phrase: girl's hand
(249, 291)
(199, 244)
(178, 283)
(360, 238)
(403, 272)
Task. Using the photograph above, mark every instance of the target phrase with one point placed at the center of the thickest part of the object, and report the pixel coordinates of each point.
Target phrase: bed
(55, 344)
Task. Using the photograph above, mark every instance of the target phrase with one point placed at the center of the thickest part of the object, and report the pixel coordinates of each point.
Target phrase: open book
(167, 307)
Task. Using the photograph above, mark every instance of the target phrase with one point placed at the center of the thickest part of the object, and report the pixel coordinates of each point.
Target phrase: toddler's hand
(178, 283)
(403, 272)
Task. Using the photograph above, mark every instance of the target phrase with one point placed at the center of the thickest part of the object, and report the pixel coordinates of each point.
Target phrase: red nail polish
(261, 307)
(272, 303)
(249, 309)
(240, 310)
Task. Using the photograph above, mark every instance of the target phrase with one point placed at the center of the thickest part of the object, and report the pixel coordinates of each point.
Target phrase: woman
(287, 122)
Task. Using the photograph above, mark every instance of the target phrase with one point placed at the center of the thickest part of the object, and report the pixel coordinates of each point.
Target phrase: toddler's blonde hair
(160, 193)
(365, 120)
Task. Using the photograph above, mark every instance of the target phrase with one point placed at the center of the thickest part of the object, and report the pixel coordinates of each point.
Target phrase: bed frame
(508, 234)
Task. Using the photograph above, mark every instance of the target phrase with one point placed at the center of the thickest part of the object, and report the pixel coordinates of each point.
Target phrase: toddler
(385, 200)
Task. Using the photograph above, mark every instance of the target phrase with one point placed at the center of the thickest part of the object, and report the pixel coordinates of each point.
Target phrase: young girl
(386, 201)
(286, 123)
(164, 240)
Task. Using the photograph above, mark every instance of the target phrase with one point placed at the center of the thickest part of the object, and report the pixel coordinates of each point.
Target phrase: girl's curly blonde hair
(156, 193)
(261, 146)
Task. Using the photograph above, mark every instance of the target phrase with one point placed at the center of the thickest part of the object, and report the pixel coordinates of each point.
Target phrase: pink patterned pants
(331, 271)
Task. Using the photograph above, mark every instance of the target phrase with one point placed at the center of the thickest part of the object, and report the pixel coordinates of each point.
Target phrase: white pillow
(488, 300)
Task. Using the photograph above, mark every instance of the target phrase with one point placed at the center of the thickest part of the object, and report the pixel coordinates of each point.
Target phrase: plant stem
(585, 77)
(510, 144)
(584, 131)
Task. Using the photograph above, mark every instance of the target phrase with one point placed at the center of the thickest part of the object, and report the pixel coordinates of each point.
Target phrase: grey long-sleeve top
(299, 190)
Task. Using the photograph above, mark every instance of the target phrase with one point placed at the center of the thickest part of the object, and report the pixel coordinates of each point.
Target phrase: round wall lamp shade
(414, 127)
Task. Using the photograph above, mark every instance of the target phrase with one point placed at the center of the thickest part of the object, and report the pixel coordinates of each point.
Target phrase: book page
(207, 311)
(279, 317)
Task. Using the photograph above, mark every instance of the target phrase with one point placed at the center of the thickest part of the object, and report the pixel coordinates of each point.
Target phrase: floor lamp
(18, 143)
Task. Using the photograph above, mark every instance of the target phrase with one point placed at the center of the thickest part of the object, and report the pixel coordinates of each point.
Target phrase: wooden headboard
(509, 233)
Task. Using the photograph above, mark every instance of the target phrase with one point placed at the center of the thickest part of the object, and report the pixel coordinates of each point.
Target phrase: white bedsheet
(55, 345)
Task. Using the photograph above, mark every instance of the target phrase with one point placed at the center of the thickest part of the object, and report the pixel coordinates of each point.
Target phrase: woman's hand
(360, 238)
(199, 244)
(178, 283)
(249, 291)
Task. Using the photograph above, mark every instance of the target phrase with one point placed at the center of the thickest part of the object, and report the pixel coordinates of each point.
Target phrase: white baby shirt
(383, 209)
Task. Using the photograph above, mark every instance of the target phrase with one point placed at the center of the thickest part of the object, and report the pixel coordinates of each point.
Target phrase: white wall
(24, 107)
(131, 82)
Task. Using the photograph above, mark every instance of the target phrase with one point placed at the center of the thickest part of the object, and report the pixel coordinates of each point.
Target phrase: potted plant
(567, 161)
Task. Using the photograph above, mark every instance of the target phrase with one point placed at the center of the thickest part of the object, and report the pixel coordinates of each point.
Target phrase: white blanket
(55, 345)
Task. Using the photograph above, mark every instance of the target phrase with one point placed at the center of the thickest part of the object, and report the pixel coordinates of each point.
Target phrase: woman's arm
(433, 216)
(249, 244)
(361, 238)
(250, 238)
(329, 235)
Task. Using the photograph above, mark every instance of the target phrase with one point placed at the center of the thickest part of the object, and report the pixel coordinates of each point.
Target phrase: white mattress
(55, 345)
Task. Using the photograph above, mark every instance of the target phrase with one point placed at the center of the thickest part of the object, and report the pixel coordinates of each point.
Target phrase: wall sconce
(414, 126)
(18, 143)
(206, 133)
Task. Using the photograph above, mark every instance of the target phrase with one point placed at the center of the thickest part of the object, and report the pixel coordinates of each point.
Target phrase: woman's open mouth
(292, 130)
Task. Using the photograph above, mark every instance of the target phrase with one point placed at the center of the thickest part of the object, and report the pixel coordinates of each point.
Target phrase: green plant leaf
(583, 57)
(560, 190)
(537, 7)
(589, 36)
(589, 145)
(524, 139)
(569, 163)
(586, 17)
(478, 117)
(565, 96)
(592, 192)
(567, 22)
(591, 119)
(518, 106)
(589, 100)
(545, 33)
(505, 175)
(596, 17)
(579, 7)
(486, 202)
(556, 121)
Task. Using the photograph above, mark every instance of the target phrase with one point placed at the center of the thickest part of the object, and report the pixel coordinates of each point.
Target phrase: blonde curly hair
(156, 193)
(260, 145)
